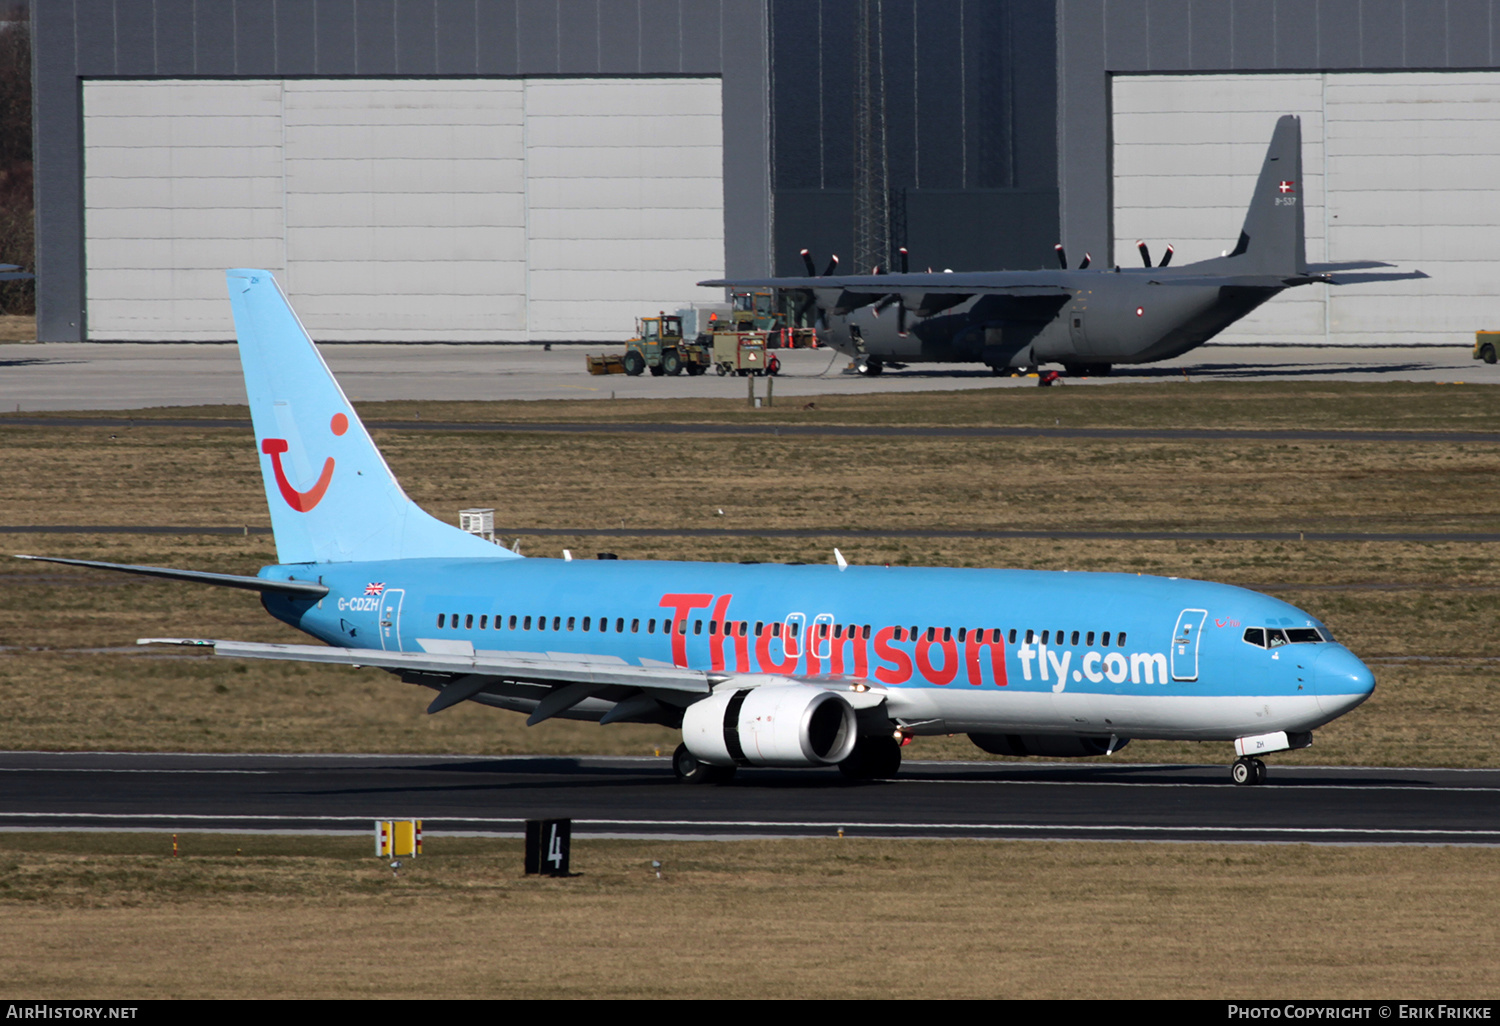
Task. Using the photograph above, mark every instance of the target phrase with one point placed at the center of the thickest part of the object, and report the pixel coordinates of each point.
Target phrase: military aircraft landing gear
(871, 366)
(1247, 771)
(692, 770)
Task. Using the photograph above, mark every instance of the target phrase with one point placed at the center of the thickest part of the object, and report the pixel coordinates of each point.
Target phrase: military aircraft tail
(1272, 239)
(331, 495)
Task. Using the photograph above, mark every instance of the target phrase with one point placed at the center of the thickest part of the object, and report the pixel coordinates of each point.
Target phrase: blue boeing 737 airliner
(760, 665)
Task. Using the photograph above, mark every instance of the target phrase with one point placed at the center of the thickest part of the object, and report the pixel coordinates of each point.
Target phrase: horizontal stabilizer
(1347, 265)
(1359, 279)
(306, 589)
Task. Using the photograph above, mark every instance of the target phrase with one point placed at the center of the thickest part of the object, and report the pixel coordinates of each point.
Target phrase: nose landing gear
(1247, 771)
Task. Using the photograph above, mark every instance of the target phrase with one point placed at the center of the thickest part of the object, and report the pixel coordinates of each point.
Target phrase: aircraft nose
(1340, 680)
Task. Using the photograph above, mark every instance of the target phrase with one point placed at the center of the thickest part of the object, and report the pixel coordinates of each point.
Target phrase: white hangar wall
(1397, 166)
(423, 210)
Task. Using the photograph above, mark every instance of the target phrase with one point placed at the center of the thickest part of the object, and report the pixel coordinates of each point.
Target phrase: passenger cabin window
(441, 618)
(1120, 641)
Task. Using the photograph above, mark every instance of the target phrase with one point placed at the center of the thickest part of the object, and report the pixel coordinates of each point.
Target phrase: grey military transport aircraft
(1086, 320)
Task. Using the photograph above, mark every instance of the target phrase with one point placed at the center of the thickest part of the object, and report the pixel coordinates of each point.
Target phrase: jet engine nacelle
(770, 725)
(1051, 746)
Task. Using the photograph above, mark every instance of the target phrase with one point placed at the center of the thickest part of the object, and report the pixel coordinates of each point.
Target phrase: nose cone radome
(1341, 681)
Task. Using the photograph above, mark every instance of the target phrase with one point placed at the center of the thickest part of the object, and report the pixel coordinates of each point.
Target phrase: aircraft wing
(1278, 281)
(1010, 282)
(505, 665)
(571, 676)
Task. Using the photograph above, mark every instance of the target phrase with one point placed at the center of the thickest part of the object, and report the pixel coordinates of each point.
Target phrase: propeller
(1062, 258)
(895, 297)
(1166, 258)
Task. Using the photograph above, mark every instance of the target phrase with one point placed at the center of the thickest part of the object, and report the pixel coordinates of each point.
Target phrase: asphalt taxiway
(128, 375)
(638, 797)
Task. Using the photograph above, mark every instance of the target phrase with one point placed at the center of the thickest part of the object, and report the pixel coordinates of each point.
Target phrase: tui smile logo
(302, 502)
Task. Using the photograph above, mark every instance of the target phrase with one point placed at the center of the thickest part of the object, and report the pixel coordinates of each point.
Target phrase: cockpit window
(1275, 638)
(1302, 635)
(1256, 636)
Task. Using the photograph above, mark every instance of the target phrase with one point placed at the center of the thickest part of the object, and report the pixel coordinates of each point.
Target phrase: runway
(638, 797)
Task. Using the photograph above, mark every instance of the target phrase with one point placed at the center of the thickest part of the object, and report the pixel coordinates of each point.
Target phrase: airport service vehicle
(761, 311)
(1485, 343)
(1086, 320)
(743, 353)
(659, 346)
(760, 665)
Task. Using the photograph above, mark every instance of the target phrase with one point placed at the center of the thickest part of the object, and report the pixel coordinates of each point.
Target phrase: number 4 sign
(548, 842)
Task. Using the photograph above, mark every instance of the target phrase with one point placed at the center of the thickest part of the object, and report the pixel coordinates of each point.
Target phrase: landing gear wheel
(1247, 771)
(872, 367)
(692, 770)
(671, 363)
(634, 364)
(875, 757)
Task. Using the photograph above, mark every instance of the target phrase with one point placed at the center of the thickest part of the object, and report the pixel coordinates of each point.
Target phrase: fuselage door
(1078, 332)
(791, 634)
(390, 618)
(1185, 644)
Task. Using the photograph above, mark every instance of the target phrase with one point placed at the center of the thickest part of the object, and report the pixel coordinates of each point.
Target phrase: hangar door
(422, 210)
(1396, 166)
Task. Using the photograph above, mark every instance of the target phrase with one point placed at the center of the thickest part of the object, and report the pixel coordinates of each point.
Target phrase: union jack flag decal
(374, 587)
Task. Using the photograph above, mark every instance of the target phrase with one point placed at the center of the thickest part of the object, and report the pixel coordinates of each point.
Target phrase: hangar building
(547, 170)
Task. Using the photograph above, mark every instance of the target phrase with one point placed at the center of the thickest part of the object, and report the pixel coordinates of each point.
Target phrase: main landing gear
(1247, 771)
(692, 770)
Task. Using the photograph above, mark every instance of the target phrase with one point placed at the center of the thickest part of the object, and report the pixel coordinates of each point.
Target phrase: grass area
(1410, 608)
(17, 327)
(1157, 403)
(92, 915)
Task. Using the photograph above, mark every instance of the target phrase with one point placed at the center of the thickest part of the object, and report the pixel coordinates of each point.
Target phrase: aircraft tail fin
(1272, 240)
(331, 495)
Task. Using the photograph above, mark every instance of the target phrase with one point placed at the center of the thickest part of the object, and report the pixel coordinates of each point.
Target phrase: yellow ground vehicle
(758, 311)
(659, 346)
(1486, 344)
